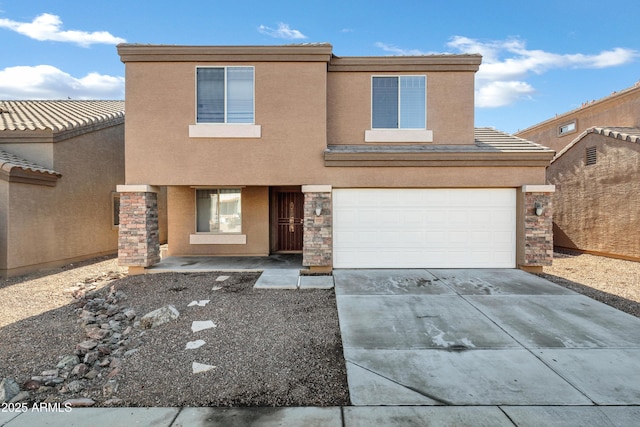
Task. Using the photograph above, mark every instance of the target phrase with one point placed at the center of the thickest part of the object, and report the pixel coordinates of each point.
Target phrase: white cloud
(282, 32)
(506, 64)
(49, 27)
(48, 82)
(394, 50)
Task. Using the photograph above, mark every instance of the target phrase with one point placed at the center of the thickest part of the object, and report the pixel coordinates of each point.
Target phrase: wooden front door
(289, 207)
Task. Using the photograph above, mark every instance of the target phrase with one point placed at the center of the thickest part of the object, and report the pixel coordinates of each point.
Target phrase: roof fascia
(438, 159)
(406, 63)
(174, 53)
(11, 173)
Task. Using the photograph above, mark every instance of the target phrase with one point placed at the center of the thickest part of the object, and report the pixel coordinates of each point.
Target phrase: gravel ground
(612, 281)
(269, 347)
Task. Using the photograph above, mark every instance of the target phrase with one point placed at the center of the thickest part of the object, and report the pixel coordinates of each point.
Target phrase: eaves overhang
(353, 156)
(310, 52)
(406, 63)
(18, 170)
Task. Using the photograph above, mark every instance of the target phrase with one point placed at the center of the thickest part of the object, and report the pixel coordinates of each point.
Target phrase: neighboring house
(60, 163)
(597, 175)
(356, 162)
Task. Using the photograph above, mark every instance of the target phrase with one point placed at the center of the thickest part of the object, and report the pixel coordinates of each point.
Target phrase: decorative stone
(113, 402)
(8, 389)
(97, 333)
(85, 346)
(80, 370)
(23, 395)
(50, 373)
(221, 278)
(198, 325)
(216, 288)
(67, 362)
(75, 386)
(79, 403)
(200, 303)
(129, 313)
(109, 388)
(159, 317)
(91, 357)
(201, 367)
(91, 374)
(191, 345)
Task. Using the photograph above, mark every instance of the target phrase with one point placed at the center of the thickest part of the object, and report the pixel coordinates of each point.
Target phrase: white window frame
(399, 135)
(216, 237)
(225, 129)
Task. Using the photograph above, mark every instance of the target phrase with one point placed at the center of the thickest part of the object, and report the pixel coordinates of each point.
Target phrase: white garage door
(424, 228)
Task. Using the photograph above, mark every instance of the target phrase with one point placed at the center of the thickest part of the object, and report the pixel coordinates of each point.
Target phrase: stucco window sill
(398, 135)
(218, 239)
(222, 130)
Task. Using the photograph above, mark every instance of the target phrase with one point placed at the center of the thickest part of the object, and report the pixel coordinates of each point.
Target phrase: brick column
(537, 224)
(138, 235)
(317, 252)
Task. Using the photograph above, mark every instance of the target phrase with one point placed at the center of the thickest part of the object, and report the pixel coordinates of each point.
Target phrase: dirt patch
(268, 347)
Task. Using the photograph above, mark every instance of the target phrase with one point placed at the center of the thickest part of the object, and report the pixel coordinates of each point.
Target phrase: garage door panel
(419, 228)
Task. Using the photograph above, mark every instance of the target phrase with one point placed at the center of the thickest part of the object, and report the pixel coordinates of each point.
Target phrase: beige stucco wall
(449, 106)
(596, 207)
(182, 223)
(50, 226)
(291, 107)
(621, 109)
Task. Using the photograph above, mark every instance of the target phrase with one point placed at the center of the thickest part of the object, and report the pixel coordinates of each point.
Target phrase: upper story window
(398, 102)
(225, 95)
(399, 110)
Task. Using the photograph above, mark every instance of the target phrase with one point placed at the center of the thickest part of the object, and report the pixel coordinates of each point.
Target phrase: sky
(540, 58)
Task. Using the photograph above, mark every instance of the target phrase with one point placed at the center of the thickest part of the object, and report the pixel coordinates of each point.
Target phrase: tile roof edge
(10, 161)
(608, 131)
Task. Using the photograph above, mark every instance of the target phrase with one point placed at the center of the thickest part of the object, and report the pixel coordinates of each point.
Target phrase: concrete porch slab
(316, 282)
(278, 279)
(415, 322)
(560, 321)
(475, 377)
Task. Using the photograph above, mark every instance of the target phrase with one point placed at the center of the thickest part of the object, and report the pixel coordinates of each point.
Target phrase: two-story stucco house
(357, 162)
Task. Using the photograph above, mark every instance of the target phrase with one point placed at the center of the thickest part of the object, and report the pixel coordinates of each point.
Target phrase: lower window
(218, 210)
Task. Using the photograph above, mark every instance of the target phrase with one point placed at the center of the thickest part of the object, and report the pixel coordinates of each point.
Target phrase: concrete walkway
(446, 347)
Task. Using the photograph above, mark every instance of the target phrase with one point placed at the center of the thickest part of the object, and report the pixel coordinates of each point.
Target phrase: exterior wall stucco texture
(597, 208)
(73, 220)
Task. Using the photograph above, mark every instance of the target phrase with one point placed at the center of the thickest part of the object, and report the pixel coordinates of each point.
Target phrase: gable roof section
(17, 169)
(51, 121)
(628, 134)
(491, 148)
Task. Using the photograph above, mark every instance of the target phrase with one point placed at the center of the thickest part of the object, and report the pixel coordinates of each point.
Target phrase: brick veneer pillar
(138, 235)
(317, 252)
(537, 226)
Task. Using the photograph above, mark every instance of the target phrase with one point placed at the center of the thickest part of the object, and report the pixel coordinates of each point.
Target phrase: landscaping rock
(79, 403)
(159, 317)
(8, 389)
(67, 362)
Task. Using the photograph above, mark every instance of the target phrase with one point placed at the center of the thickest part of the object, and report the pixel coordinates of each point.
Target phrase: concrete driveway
(516, 347)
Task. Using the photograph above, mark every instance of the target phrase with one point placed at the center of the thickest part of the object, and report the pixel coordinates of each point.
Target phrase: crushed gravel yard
(256, 348)
(75, 335)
